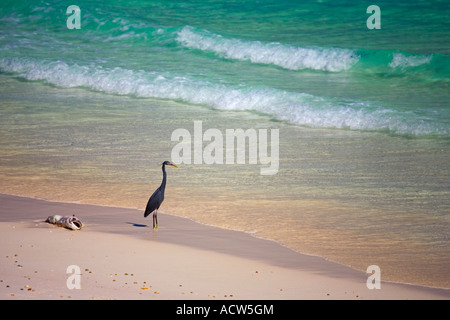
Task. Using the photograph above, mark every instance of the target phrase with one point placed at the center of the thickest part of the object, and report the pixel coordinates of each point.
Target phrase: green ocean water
(310, 63)
(87, 115)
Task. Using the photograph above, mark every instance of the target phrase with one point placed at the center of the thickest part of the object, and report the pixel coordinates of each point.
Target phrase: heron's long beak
(173, 165)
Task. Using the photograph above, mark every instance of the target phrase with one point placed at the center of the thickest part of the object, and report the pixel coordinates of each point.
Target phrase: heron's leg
(155, 219)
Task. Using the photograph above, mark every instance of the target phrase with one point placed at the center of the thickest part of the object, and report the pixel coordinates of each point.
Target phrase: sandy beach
(121, 257)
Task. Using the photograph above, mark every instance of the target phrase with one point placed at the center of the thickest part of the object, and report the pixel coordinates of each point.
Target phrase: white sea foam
(298, 108)
(401, 61)
(285, 56)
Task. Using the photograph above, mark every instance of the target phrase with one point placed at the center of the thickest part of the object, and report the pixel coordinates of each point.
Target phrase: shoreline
(251, 234)
(330, 199)
(207, 262)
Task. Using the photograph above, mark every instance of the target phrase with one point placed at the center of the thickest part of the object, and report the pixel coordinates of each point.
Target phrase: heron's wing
(154, 202)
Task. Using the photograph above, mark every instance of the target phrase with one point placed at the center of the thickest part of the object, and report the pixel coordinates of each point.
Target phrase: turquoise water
(310, 63)
(87, 115)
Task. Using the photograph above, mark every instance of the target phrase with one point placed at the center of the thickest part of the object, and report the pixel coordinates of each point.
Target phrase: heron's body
(157, 197)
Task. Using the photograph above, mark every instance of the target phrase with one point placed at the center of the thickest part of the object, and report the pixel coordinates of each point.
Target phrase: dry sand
(121, 257)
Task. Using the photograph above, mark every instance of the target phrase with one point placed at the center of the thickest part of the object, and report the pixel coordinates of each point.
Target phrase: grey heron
(157, 197)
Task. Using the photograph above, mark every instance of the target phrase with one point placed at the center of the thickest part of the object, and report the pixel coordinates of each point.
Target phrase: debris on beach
(72, 223)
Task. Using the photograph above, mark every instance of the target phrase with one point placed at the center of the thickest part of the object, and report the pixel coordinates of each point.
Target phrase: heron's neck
(163, 183)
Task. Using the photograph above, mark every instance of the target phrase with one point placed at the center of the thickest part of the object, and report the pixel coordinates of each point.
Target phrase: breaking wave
(285, 56)
(298, 108)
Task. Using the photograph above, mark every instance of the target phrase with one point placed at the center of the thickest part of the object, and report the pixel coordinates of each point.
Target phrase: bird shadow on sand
(138, 225)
